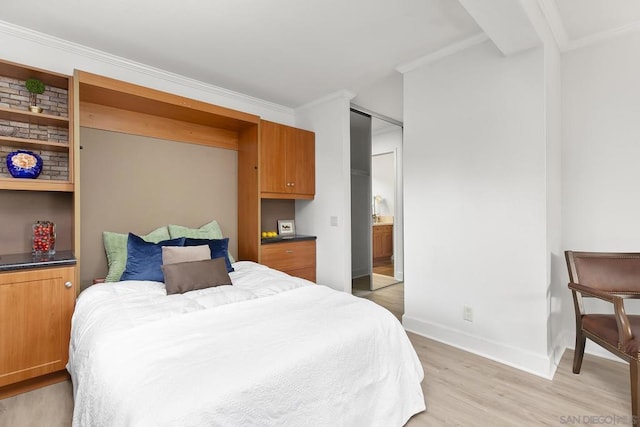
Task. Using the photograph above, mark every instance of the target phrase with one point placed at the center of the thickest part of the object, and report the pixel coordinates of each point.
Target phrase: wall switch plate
(467, 313)
(333, 221)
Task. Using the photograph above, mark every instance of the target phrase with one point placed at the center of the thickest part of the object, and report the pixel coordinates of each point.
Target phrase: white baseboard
(558, 347)
(527, 361)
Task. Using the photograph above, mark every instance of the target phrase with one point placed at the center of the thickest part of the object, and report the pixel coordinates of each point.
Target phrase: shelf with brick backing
(34, 118)
(35, 184)
(34, 144)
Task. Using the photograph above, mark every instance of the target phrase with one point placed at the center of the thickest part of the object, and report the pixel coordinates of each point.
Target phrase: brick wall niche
(54, 102)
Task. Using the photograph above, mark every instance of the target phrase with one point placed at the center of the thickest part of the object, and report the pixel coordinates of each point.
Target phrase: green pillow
(208, 231)
(115, 245)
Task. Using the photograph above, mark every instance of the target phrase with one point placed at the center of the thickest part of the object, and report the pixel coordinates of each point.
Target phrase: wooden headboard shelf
(114, 105)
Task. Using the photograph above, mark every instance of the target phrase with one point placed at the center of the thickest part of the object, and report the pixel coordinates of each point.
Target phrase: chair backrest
(606, 271)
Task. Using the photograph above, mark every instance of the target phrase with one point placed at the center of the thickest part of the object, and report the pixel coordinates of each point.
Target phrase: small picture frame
(286, 227)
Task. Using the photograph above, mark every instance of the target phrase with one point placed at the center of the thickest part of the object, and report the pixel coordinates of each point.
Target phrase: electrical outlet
(467, 313)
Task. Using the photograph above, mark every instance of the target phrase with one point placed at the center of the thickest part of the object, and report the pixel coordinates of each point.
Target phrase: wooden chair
(611, 277)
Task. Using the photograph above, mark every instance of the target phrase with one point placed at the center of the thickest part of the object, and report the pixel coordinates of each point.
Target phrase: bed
(269, 350)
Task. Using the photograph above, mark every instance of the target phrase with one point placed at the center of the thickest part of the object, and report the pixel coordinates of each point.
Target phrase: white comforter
(271, 350)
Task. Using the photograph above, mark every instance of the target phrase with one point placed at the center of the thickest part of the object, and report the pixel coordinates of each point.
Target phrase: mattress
(270, 350)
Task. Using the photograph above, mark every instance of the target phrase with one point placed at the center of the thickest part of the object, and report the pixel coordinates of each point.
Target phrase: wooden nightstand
(294, 257)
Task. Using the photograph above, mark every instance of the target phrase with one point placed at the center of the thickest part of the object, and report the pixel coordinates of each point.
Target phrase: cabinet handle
(293, 184)
(288, 252)
(68, 285)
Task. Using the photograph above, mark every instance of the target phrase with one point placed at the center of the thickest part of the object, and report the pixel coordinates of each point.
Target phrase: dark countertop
(296, 238)
(24, 261)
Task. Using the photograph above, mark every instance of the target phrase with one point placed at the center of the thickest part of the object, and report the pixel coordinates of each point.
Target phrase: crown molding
(443, 53)
(340, 94)
(603, 36)
(552, 14)
(107, 58)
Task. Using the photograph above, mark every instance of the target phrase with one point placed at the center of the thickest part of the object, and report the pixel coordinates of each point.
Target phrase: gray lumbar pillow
(188, 276)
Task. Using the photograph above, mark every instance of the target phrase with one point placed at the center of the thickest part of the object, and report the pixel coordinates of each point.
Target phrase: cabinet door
(273, 148)
(301, 161)
(382, 241)
(287, 162)
(387, 241)
(377, 243)
(35, 322)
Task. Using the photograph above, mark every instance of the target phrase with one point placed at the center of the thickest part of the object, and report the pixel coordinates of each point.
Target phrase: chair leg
(579, 351)
(634, 367)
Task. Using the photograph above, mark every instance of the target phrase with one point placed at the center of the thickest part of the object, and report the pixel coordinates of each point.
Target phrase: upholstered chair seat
(605, 326)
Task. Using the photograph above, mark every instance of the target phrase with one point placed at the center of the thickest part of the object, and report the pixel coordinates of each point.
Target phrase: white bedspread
(271, 350)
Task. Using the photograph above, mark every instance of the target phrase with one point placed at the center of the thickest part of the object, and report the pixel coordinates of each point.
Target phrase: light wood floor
(382, 276)
(461, 389)
(384, 267)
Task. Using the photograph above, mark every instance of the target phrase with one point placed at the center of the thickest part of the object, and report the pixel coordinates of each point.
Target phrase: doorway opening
(376, 201)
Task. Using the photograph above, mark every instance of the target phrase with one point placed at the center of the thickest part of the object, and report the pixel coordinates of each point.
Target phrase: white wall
(558, 295)
(384, 96)
(475, 204)
(389, 139)
(329, 119)
(601, 152)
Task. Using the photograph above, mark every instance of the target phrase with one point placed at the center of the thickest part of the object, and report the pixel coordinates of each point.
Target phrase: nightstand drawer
(308, 273)
(289, 256)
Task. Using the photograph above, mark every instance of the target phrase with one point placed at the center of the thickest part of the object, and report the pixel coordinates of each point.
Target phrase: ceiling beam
(505, 22)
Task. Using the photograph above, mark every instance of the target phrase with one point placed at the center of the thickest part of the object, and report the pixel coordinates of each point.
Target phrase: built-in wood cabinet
(287, 162)
(280, 166)
(382, 241)
(297, 258)
(35, 304)
(35, 321)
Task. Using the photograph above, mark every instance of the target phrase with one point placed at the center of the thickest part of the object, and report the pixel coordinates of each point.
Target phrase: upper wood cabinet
(114, 105)
(287, 162)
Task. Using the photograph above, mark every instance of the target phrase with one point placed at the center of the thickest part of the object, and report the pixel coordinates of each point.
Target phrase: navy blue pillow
(144, 259)
(219, 248)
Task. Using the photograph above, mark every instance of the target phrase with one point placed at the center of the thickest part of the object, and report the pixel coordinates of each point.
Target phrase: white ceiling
(292, 52)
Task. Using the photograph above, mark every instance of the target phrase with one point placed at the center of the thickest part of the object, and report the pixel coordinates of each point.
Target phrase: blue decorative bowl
(24, 164)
